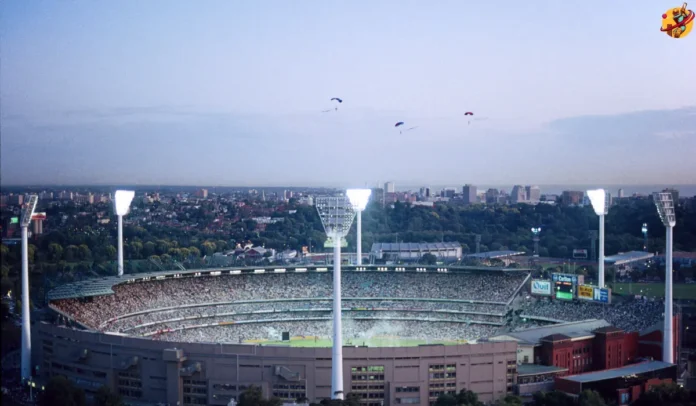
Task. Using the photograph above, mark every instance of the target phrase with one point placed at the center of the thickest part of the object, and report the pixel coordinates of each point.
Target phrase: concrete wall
(196, 373)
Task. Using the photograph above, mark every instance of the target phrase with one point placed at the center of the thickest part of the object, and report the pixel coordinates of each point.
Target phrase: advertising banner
(586, 292)
(562, 277)
(541, 287)
(580, 254)
(602, 295)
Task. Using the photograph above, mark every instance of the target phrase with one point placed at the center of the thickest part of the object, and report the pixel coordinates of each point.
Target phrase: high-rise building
(533, 194)
(202, 193)
(425, 192)
(449, 193)
(469, 194)
(492, 196)
(621, 194)
(389, 187)
(518, 195)
(569, 197)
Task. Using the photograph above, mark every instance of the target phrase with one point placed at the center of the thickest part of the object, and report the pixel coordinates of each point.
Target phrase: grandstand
(417, 304)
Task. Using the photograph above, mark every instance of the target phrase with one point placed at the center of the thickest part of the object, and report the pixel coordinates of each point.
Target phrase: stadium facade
(151, 371)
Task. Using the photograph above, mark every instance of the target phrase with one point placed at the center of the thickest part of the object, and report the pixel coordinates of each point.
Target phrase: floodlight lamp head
(336, 214)
(536, 230)
(598, 198)
(28, 210)
(665, 208)
(122, 201)
(359, 198)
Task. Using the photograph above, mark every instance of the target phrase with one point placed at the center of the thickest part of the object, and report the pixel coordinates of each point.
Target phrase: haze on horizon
(231, 93)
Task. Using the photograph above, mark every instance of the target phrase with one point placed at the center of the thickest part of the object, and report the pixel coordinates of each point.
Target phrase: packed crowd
(326, 313)
(130, 298)
(353, 331)
(632, 315)
(126, 323)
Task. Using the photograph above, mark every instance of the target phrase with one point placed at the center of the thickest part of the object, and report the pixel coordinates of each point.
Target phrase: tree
(669, 394)
(446, 400)
(509, 400)
(105, 397)
(61, 392)
(352, 399)
(428, 259)
(251, 397)
(55, 252)
(83, 252)
(70, 253)
(468, 398)
(590, 398)
(554, 398)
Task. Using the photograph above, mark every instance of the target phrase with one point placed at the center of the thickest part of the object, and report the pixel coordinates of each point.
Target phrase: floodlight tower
(336, 215)
(27, 212)
(359, 198)
(536, 231)
(665, 208)
(122, 201)
(644, 230)
(598, 198)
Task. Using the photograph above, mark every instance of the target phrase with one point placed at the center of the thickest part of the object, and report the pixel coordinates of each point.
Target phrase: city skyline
(105, 94)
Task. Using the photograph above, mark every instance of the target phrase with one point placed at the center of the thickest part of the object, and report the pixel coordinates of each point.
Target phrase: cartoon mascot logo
(678, 22)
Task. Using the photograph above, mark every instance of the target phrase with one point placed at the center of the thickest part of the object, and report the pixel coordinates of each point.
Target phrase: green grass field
(681, 290)
(311, 342)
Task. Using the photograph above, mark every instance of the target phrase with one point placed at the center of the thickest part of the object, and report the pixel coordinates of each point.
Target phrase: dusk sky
(231, 93)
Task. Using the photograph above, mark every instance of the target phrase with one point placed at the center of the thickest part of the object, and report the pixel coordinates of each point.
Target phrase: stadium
(203, 336)
(411, 333)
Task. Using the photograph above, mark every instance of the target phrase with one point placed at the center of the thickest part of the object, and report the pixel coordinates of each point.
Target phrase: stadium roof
(573, 329)
(628, 257)
(414, 246)
(104, 285)
(495, 254)
(634, 369)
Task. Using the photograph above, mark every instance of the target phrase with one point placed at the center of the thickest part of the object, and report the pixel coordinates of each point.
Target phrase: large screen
(564, 290)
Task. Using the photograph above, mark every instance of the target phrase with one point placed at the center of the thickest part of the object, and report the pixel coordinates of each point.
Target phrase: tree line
(62, 392)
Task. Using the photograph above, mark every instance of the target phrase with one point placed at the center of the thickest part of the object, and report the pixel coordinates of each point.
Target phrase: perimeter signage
(594, 294)
(586, 292)
(541, 287)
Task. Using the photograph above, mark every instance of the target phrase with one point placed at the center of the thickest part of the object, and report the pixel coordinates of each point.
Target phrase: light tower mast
(359, 198)
(536, 231)
(644, 230)
(27, 213)
(665, 208)
(336, 214)
(600, 203)
(122, 201)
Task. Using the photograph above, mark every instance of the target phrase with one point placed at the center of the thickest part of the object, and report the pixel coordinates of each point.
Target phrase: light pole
(359, 198)
(644, 230)
(598, 198)
(122, 201)
(665, 208)
(336, 214)
(536, 231)
(27, 212)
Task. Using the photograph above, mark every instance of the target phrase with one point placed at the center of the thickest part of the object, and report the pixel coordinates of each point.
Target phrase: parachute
(400, 123)
(468, 113)
(339, 100)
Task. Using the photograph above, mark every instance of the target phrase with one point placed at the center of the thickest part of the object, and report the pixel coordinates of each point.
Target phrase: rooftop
(628, 257)
(573, 329)
(534, 369)
(634, 369)
(414, 246)
(495, 254)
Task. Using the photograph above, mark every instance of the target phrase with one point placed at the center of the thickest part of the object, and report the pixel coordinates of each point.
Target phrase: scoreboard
(564, 290)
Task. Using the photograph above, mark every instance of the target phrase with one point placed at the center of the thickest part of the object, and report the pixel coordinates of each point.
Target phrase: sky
(231, 93)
